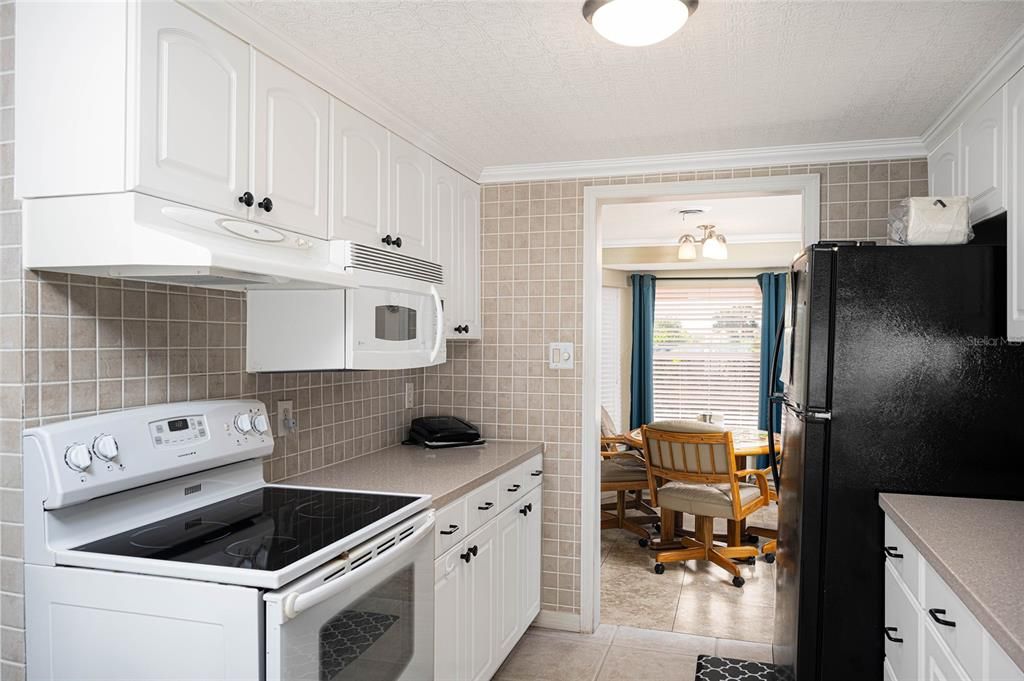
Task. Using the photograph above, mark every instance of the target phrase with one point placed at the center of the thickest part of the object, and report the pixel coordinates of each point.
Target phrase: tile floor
(695, 597)
(617, 653)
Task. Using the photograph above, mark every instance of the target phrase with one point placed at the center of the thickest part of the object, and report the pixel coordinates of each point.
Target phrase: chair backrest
(607, 425)
(689, 451)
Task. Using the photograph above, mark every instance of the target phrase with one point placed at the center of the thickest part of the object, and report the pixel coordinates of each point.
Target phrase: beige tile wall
(532, 294)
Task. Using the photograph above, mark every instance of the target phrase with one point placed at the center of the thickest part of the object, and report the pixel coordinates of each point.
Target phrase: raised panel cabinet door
(944, 168)
(939, 664)
(982, 147)
(444, 246)
(193, 110)
(510, 580)
(1015, 207)
(902, 626)
(481, 602)
(359, 176)
(409, 214)
(469, 257)
(290, 156)
(531, 557)
(449, 619)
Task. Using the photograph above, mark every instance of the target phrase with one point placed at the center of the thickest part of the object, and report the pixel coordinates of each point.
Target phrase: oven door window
(394, 323)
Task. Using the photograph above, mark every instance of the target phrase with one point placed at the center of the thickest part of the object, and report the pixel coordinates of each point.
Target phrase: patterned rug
(711, 668)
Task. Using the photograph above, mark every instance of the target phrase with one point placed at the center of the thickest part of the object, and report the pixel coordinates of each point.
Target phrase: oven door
(368, 616)
(394, 329)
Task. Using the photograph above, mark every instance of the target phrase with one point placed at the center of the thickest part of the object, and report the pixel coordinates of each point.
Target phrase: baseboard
(562, 621)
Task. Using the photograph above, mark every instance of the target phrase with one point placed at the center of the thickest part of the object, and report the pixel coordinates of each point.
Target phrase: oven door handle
(439, 330)
(294, 603)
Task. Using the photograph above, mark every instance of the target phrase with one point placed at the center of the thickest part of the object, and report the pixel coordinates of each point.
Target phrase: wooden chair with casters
(692, 469)
(623, 471)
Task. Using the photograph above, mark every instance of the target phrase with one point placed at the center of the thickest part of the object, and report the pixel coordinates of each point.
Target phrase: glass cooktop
(266, 529)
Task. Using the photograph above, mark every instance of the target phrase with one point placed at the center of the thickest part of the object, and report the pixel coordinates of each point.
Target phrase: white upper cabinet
(193, 110)
(445, 185)
(410, 205)
(944, 168)
(981, 142)
(290, 165)
(469, 258)
(1015, 205)
(359, 176)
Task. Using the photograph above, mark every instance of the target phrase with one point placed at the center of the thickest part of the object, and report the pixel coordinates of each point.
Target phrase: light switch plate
(561, 355)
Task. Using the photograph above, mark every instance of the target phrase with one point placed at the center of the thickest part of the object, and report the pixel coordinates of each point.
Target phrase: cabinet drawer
(938, 665)
(901, 622)
(533, 471)
(450, 528)
(966, 637)
(908, 567)
(482, 505)
(512, 486)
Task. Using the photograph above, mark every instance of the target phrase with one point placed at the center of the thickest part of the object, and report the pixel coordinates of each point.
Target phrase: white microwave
(396, 324)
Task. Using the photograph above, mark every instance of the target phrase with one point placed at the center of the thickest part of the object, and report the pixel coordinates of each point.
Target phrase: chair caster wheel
(643, 543)
(657, 527)
(769, 558)
(659, 568)
(738, 581)
(751, 561)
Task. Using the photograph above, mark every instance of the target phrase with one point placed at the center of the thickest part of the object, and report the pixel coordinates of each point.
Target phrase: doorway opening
(706, 323)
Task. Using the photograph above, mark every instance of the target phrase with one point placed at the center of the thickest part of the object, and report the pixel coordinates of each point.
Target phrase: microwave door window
(394, 323)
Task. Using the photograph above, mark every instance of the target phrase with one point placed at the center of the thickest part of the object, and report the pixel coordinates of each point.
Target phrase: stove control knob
(105, 447)
(78, 457)
(243, 423)
(261, 424)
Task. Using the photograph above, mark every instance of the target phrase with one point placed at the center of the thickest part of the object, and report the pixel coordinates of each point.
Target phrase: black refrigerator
(898, 378)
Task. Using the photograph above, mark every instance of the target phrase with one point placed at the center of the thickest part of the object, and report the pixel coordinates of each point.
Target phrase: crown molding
(828, 152)
(1001, 69)
(234, 19)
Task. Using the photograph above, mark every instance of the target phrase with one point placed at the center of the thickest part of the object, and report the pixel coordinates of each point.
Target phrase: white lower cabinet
(487, 586)
(929, 632)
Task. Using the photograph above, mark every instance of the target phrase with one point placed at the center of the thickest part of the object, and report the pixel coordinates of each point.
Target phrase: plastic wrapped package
(931, 221)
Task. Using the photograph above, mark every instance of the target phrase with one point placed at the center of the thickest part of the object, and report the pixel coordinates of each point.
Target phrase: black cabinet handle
(892, 552)
(486, 507)
(452, 529)
(398, 241)
(387, 240)
(889, 631)
(266, 204)
(526, 509)
(246, 198)
(473, 549)
(514, 488)
(935, 612)
(536, 474)
(467, 556)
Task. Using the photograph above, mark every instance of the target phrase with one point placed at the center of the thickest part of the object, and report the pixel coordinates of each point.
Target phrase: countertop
(975, 546)
(445, 474)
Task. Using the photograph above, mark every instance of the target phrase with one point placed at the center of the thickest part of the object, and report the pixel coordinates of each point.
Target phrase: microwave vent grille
(360, 257)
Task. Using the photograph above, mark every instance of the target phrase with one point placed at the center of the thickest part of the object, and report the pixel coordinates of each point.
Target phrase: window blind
(707, 344)
(611, 351)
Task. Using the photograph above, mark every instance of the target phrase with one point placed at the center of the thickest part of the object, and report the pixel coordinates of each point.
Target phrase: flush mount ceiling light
(636, 23)
(712, 245)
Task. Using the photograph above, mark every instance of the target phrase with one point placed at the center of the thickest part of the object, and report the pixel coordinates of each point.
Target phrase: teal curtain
(773, 302)
(641, 408)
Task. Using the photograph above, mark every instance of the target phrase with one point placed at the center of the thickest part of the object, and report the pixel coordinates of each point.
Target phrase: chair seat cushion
(707, 500)
(623, 469)
(685, 426)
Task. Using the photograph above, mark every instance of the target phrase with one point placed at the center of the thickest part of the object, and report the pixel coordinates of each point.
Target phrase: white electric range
(155, 550)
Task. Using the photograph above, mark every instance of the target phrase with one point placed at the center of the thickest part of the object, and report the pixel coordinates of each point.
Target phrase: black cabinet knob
(467, 556)
(462, 328)
(935, 612)
(387, 240)
(246, 198)
(398, 241)
(889, 631)
(473, 549)
(266, 204)
(526, 510)
(892, 551)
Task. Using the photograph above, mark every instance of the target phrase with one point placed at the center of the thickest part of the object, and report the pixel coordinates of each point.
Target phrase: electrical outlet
(410, 395)
(286, 422)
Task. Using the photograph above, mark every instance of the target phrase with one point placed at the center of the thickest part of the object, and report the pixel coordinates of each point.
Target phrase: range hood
(135, 236)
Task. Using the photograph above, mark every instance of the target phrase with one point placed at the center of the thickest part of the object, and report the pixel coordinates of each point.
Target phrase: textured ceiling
(529, 81)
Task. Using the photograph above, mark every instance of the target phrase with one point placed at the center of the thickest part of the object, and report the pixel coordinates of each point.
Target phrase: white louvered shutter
(611, 351)
(707, 345)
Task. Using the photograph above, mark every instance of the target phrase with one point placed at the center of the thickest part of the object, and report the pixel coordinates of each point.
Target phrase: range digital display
(177, 424)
